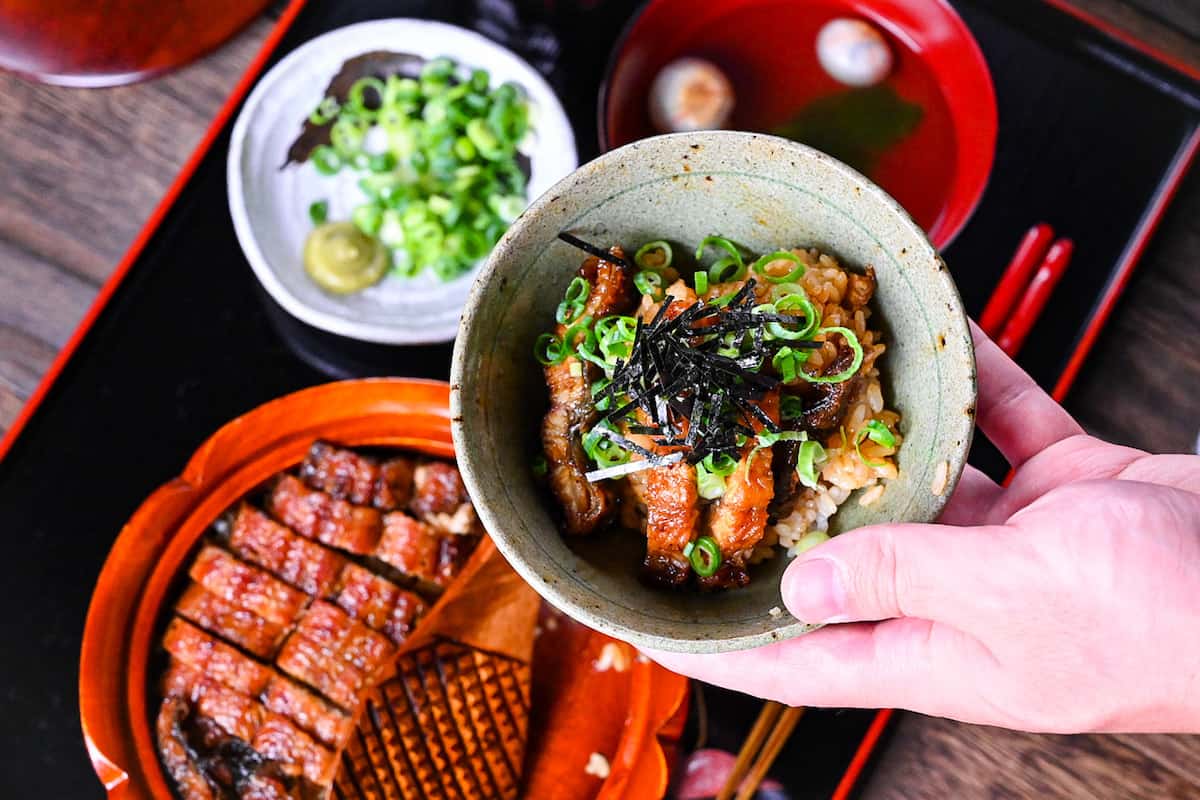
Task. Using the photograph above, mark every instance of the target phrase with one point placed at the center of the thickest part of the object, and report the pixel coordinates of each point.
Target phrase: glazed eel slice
(739, 519)
(316, 515)
(240, 738)
(323, 573)
(585, 506)
(668, 493)
(348, 475)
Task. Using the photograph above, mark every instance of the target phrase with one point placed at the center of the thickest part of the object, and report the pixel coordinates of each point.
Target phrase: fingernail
(813, 591)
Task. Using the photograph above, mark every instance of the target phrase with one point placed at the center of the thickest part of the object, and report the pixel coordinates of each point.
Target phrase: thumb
(933, 572)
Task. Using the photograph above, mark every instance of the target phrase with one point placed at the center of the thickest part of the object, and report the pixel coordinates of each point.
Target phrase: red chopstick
(1030, 306)
(1017, 274)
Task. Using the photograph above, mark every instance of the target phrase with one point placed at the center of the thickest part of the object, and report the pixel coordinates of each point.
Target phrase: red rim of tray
(1104, 308)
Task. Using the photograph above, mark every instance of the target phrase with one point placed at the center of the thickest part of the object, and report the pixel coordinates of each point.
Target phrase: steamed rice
(843, 472)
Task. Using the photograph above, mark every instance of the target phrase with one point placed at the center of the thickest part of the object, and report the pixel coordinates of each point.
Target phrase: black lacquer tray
(183, 339)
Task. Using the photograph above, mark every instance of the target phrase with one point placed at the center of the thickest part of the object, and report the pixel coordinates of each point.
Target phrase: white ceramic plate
(270, 204)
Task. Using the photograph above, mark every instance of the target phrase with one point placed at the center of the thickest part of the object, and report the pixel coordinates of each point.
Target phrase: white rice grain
(872, 495)
(597, 765)
(941, 477)
(613, 656)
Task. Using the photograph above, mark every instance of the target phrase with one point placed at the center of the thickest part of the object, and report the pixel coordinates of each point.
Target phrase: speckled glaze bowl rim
(551, 592)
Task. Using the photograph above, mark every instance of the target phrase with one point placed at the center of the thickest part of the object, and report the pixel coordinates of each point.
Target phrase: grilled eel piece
(667, 493)
(585, 506)
(739, 519)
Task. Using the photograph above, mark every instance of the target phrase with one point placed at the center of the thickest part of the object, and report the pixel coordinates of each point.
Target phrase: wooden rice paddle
(454, 720)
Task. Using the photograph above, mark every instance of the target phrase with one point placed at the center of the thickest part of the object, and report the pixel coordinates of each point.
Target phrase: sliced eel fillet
(335, 654)
(308, 711)
(667, 493)
(231, 622)
(825, 404)
(303, 563)
(739, 519)
(246, 586)
(223, 663)
(585, 506)
(188, 777)
(194, 696)
(316, 515)
(420, 551)
(347, 475)
(377, 602)
(440, 499)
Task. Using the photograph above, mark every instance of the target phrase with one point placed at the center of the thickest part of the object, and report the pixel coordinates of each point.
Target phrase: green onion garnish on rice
(655, 256)
(877, 432)
(705, 557)
(760, 267)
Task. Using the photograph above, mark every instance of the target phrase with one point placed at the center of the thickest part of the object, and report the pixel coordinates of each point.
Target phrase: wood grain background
(82, 170)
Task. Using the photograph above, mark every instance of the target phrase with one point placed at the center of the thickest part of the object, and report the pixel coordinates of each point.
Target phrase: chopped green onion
(705, 557)
(347, 135)
(782, 290)
(325, 111)
(581, 328)
(368, 218)
(711, 473)
(880, 434)
(722, 243)
(721, 464)
(326, 160)
(727, 269)
(708, 485)
(539, 466)
(787, 363)
(615, 335)
(574, 301)
(799, 302)
(688, 548)
(809, 540)
(791, 407)
(649, 282)
(877, 432)
(318, 212)
(656, 255)
(701, 282)
(356, 99)
(449, 152)
(810, 454)
(849, 372)
(549, 350)
(760, 266)
(603, 451)
(381, 162)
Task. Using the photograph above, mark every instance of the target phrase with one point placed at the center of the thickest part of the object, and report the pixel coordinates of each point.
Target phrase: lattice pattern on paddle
(452, 724)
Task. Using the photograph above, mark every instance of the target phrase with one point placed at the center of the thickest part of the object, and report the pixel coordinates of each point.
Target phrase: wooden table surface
(82, 170)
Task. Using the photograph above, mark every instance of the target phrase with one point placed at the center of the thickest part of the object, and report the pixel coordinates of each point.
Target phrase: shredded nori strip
(695, 398)
(592, 249)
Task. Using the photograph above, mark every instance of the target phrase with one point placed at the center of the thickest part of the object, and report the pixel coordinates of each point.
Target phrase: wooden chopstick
(776, 741)
(1021, 321)
(770, 733)
(1025, 261)
(758, 734)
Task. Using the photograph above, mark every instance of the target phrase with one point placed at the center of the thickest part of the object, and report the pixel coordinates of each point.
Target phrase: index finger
(1015, 413)
(902, 663)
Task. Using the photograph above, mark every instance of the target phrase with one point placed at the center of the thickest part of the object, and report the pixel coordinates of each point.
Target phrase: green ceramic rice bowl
(765, 193)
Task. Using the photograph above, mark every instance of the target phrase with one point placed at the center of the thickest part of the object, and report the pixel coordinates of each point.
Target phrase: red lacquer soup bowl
(639, 728)
(927, 134)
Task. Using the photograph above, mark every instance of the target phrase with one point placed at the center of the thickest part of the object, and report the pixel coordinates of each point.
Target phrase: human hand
(1068, 601)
